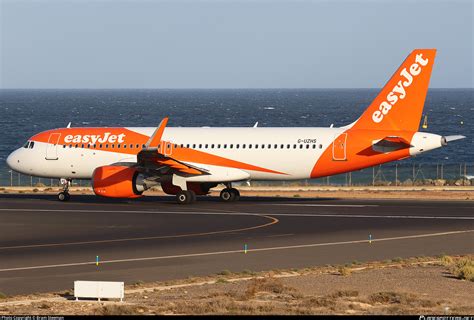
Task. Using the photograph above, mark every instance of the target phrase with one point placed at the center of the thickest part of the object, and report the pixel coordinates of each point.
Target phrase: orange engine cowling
(117, 182)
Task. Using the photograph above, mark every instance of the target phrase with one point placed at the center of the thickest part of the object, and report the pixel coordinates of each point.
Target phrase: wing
(153, 160)
(151, 157)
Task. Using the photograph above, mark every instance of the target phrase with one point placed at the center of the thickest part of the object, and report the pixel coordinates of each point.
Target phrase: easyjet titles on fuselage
(95, 138)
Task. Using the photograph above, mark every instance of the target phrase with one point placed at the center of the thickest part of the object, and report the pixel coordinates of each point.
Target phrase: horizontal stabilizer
(454, 138)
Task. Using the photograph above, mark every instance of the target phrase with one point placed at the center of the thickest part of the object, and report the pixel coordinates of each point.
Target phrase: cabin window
(131, 146)
(282, 146)
(243, 146)
(75, 146)
(200, 146)
(237, 146)
(314, 146)
(212, 146)
(256, 146)
(269, 146)
(206, 146)
(125, 146)
(194, 146)
(82, 146)
(70, 146)
(301, 146)
(64, 146)
(275, 146)
(218, 146)
(320, 146)
(263, 146)
(118, 146)
(231, 146)
(294, 146)
(307, 146)
(187, 146)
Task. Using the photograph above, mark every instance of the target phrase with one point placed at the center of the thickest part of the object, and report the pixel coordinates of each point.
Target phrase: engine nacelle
(118, 182)
(200, 188)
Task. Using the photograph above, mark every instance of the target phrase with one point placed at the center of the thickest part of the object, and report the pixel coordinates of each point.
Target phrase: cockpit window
(26, 144)
(32, 144)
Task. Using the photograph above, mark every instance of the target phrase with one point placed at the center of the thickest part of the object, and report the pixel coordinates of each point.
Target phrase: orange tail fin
(399, 105)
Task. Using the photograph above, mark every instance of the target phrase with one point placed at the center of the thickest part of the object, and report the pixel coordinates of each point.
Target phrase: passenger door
(52, 147)
(339, 147)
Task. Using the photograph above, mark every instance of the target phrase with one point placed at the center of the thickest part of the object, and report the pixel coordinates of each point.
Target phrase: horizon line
(226, 88)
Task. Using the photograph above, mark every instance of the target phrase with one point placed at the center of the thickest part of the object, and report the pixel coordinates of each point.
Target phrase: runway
(45, 245)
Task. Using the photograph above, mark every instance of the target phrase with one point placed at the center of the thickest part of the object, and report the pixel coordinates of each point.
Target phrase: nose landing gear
(64, 194)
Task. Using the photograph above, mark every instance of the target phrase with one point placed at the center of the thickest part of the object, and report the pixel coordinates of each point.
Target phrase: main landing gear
(185, 197)
(230, 194)
(64, 194)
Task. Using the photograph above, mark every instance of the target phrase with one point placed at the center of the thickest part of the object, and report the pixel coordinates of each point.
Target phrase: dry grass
(463, 268)
(446, 260)
(269, 285)
(114, 309)
(344, 271)
(400, 298)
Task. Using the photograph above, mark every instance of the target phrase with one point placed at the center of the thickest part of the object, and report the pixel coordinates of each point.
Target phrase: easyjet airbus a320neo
(124, 162)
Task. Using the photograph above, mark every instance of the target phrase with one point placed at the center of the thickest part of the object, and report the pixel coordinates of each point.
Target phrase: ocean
(26, 112)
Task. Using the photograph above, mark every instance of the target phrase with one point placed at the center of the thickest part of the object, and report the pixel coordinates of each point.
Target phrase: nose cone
(12, 160)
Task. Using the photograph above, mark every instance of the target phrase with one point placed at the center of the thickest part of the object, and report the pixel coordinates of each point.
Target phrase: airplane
(125, 162)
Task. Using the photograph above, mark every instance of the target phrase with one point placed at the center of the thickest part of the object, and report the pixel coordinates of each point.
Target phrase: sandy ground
(412, 286)
(366, 192)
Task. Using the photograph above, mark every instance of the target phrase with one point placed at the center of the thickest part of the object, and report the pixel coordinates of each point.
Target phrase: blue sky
(229, 44)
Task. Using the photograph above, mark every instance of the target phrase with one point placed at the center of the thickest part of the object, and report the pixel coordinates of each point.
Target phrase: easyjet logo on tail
(95, 138)
(398, 92)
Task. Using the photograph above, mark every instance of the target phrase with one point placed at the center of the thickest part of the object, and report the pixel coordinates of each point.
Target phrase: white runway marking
(238, 251)
(323, 205)
(316, 215)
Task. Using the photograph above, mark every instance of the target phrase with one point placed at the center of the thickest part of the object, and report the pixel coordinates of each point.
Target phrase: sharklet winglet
(155, 138)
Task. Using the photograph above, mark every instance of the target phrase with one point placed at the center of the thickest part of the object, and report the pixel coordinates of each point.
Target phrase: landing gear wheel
(185, 197)
(229, 195)
(63, 196)
(193, 196)
(236, 194)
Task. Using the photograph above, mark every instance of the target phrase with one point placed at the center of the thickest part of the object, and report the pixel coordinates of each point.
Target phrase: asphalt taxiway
(45, 245)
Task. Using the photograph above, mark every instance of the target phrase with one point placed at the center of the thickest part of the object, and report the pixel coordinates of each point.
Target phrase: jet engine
(118, 182)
